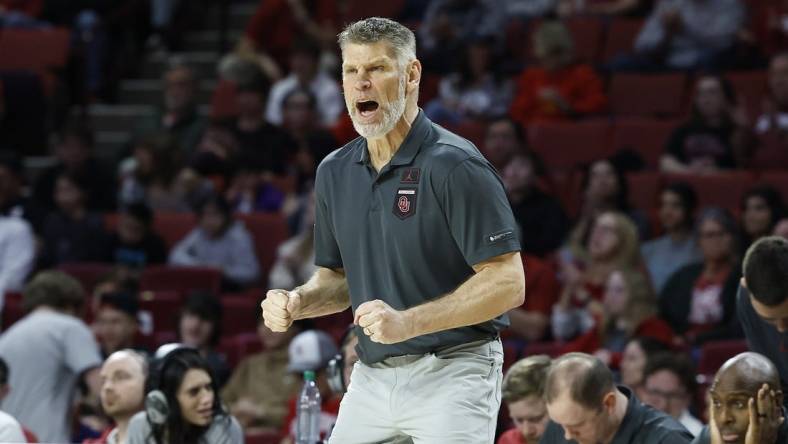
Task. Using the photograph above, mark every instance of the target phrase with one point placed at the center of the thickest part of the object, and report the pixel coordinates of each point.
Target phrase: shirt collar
(633, 418)
(410, 146)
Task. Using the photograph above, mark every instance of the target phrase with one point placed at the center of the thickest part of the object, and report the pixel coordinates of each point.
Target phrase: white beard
(391, 115)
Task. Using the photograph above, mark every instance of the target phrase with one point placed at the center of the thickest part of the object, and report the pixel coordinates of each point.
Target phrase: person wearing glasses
(669, 384)
(586, 407)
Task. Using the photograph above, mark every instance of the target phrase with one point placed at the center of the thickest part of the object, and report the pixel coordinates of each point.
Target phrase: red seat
(621, 35)
(182, 280)
(12, 309)
(268, 231)
(720, 190)
(86, 273)
(566, 145)
(223, 103)
(713, 354)
(173, 227)
(644, 189)
(34, 49)
(263, 438)
(428, 88)
(647, 137)
(587, 33)
(163, 308)
(473, 130)
(751, 87)
(239, 315)
(653, 95)
(778, 180)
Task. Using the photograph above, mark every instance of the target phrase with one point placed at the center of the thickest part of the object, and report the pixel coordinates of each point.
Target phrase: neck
(122, 426)
(618, 416)
(382, 149)
(714, 266)
(678, 234)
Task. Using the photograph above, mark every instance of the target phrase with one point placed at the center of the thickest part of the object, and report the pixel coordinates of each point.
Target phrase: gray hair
(376, 29)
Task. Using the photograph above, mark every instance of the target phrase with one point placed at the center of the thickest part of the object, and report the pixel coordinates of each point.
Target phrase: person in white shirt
(17, 254)
(304, 72)
(10, 429)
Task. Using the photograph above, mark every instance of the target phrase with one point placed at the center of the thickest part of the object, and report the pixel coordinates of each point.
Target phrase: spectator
(261, 145)
(525, 11)
(585, 406)
(636, 354)
(628, 310)
(771, 128)
(628, 8)
(134, 244)
(178, 115)
(17, 254)
(522, 391)
(542, 221)
(116, 280)
(475, 90)
(762, 302)
(183, 382)
(313, 143)
(612, 245)
(557, 89)
(605, 188)
(259, 388)
(769, 30)
(781, 228)
(221, 242)
(531, 320)
(10, 429)
(73, 233)
(678, 246)
(115, 323)
(503, 139)
(122, 392)
(305, 73)
(687, 34)
(745, 390)
(762, 206)
(200, 327)
(148, 176)
(669, 385)
(311, 351)
(698, 301)
(13, 202)
(276, 24)
(295, 258)
(713, 139)
(48, 352)
(448, 25)
(74, 152)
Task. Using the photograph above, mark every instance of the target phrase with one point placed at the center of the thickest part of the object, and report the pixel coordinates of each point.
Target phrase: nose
(725, 416)
(206, 399)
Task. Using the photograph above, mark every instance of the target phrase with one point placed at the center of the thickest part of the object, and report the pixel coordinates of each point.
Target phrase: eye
(716, 403)
(350, 70)
(739, 404)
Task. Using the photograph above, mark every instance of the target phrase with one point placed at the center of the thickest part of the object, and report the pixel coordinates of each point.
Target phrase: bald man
(586, 407)
(123, 377)
(746, 404)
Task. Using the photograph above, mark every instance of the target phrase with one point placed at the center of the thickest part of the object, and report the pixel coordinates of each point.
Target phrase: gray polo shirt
(642, 424)
(412, 232)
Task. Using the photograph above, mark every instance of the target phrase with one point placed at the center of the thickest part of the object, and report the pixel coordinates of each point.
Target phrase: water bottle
(308, 412)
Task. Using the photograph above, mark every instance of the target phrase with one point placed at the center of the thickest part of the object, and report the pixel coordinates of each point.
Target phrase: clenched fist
(280, 308)
(382, 323)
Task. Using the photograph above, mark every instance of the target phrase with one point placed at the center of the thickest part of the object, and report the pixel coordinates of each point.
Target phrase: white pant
(450, 396)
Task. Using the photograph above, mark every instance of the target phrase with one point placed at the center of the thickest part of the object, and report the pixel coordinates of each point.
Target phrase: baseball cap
(310, 350)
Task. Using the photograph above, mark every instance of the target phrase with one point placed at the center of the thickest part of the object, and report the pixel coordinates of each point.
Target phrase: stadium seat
(647, 137)
(268, 231)
(567, 145)
(473, 130)
(163, 308)
(587, 34)
(751, 87)
(428, 88)
(223, 101)
(721, 190)
(34, 48)
(620, 38)
(644, 190)
(713, 354)
(647, 95)
(239, 315)
(86, 273)
(12, 310)
(173, 226)
(181, 279)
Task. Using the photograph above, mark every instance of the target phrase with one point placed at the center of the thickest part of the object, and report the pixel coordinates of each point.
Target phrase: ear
(609, 401)
(414, 75)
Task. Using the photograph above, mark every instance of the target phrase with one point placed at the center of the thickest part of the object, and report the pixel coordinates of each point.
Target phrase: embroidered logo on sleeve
(499, 236)
(405, 203)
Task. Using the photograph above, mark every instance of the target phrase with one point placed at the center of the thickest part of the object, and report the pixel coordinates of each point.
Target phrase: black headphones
(335, 373)
(157, 408)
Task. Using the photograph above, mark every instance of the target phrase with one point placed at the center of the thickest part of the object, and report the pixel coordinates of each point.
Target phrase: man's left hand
(382, 323)
(765, 417)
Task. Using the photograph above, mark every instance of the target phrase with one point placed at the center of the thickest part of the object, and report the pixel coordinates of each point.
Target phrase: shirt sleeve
(327, 252)
(478, 212)
(81, 351)
(11, 431)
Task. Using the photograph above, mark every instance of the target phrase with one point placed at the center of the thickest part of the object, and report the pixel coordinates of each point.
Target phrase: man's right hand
(280, 309)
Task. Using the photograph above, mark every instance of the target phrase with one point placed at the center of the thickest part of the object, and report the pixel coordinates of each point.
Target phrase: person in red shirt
(522, 390)
(557, 89)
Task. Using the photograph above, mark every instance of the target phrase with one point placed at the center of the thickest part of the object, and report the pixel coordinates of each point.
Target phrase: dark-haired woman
(761, 208)
(193, 412)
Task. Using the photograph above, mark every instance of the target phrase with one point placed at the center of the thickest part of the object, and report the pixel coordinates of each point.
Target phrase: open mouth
(366, 107)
